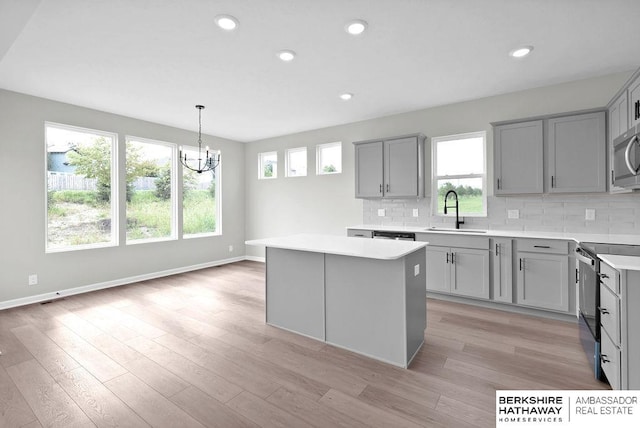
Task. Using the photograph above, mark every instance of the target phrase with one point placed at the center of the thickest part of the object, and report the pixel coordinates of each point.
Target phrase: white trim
(256, 259)
(115, 283)
(319, 149)
(287, 161)
(261, 157)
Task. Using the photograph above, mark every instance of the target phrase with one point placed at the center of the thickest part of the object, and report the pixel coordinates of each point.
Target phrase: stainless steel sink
(445, 229)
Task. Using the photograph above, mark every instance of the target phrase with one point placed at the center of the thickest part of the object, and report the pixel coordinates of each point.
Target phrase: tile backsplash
(616, 214)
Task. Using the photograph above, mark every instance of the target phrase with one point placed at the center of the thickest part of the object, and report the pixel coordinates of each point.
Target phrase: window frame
(261, 164)
(115, 209)
(435, 177)
(174, 190)
(319, 149)
(287, 161)
(218, 212)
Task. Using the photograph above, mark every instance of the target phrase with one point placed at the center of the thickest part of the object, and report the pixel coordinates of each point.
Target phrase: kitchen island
(367, 296)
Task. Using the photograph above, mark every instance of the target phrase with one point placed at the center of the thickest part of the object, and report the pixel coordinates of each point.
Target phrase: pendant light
(206, 163)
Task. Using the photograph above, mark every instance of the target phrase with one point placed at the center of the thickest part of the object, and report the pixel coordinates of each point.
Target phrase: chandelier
(208, 163)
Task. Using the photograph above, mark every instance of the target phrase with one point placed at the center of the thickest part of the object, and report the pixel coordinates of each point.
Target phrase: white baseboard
(255, 259)
(115, 283)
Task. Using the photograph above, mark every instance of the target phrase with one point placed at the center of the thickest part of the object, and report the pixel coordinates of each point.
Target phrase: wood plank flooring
(193, 350)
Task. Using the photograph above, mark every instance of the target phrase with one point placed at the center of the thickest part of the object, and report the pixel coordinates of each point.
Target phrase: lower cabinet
(462, 271)
(502, 264)
(543, 281)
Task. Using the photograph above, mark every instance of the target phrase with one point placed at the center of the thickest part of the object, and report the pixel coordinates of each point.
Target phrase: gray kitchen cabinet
(502, 263)
(390, 168)
(577, 153)
(518, 158)
(543, 274)
(458, 270)
(620, 343)
(634, 103)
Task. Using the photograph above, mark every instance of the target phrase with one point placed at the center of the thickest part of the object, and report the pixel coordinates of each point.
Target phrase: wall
(22, 217)
(327, 205)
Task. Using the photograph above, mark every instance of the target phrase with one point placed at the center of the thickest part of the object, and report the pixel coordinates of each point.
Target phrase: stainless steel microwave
(626, 160)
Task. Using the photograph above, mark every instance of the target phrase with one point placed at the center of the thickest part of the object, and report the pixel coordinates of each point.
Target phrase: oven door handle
(632, 169)
(583, 258)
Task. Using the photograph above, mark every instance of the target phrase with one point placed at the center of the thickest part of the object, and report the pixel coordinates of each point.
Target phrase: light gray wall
(327, 204)
(22, 194)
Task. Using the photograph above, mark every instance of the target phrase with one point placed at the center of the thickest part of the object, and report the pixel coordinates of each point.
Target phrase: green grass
(198, 206)
(466, 205)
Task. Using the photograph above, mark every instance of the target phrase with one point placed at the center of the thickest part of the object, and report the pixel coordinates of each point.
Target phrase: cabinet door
(401, 168)
(470, 272)
(437, 269)
(502, 271)
(543, 281)
(577, 149)
(634, 103)
(618, 125)
(518, 159)
(368, 170)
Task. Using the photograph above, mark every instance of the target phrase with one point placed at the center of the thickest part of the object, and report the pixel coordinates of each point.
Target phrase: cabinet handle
(497, 249)
(453, 259)
(520, 264)
(604, 359)
(447, 258)
(603, 311)
(498, 183)
(387, 187)
(541, 246)
(603, 275)
(553, 182)
(381, 188)
(613, 177)
(577, 276)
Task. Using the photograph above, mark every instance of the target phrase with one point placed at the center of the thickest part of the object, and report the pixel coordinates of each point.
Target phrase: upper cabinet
(577, 153)
(390, 168)
(634, 103)
(556, 154)
(518, 158)
(618, 116)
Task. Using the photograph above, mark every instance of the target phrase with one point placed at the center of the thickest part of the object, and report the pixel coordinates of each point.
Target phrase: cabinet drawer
(610, 277)
(359, 233)
(610, 361)
(543, 246)
(610, 313)
(454, 240)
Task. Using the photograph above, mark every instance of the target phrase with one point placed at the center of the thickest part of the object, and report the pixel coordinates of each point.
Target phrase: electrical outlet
(590, 214)
(513, 213)
(416, 270)
(381, 212)
(231, 248)
(415, 212)
(33, 279)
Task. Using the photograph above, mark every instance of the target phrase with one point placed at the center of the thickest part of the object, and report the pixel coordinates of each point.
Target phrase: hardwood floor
(193, 350)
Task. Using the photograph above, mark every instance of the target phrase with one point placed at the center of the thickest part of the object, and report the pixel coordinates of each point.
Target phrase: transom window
(296, 162)
(268, 165)
(459, 164)
(329, 158)
(81, 188)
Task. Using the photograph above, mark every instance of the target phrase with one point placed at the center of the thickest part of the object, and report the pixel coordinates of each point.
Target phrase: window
(329, 158)
(268, 165)
(296, 162)
(81, 190)
(459, 163)
(151, 183)
(200, 199)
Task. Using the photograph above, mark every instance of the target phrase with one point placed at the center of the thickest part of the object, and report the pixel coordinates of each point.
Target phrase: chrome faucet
(458, 222)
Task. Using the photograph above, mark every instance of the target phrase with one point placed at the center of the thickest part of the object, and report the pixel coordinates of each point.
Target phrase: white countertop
(621, 262)
(381, 249)
(577, 236)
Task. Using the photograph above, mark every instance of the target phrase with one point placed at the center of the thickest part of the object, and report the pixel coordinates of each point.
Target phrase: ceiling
(155, 59)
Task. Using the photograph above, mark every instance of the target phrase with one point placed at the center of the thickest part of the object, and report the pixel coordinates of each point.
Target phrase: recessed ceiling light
(346, 96)
(286, 55)
(355, 27)
(226, 22)
(521, 51)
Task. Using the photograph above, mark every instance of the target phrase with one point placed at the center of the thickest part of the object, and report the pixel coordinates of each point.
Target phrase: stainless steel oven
(588, 267)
